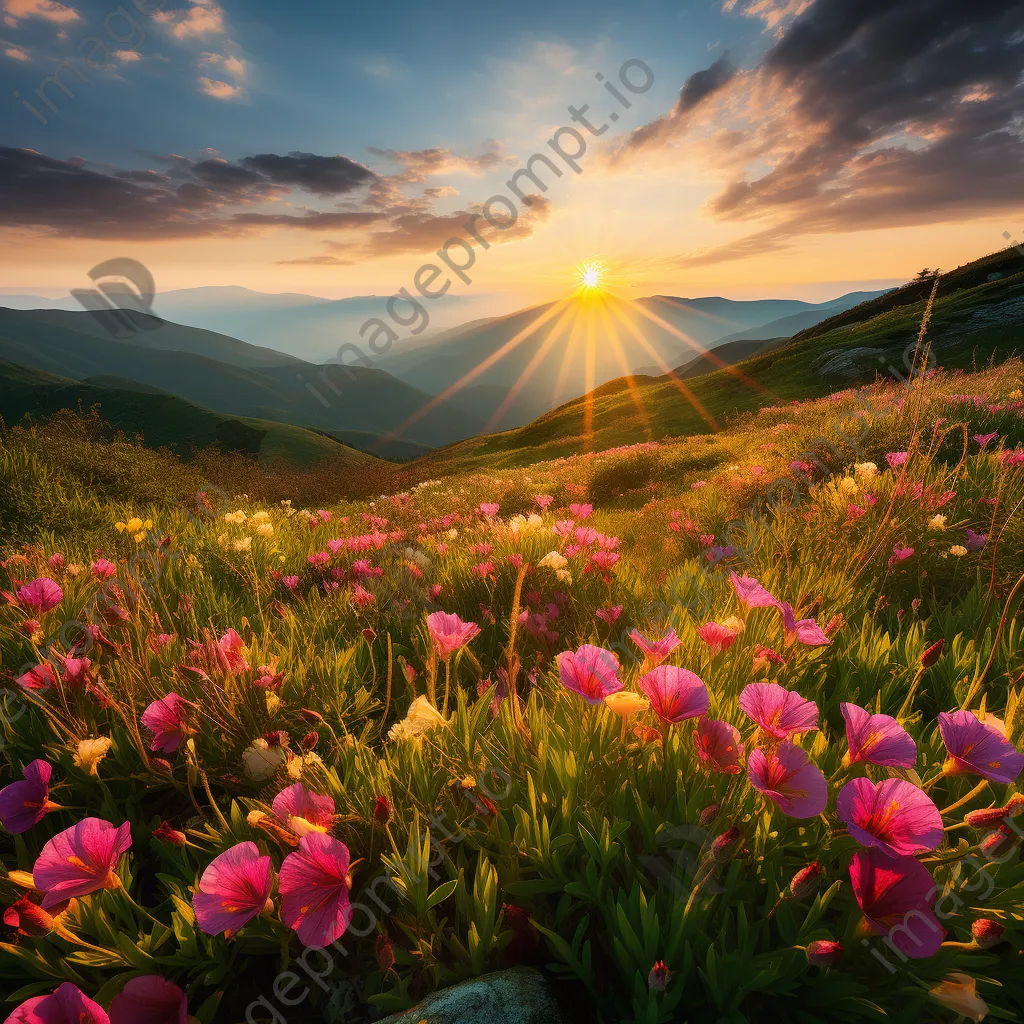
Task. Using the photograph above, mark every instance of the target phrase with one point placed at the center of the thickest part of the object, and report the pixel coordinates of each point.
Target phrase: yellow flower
(273, 702)
(937, 523)
(848, 486)
(1014, 395)
(958, 549)
(139, 537)
(421, 717)
(865, 471)
(260, 517)
(242, 545)
(564, 576)
(959, 993)
(91, 752)
(734, 623)
(133, 525)
(626, 703)
(234, 517)
(119, 527)
(555, 560)
(264, 529)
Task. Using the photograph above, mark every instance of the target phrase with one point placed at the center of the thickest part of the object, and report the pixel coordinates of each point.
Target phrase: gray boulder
(848, 363)
(516, 996)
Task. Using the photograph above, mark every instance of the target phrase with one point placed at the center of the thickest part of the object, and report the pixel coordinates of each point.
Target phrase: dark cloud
(878, 113)
(310, 220)
(321, 175)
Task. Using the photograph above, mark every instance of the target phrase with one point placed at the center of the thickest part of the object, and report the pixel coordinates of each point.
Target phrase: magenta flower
(717, 636)
(978, 748)
(897, 459)
(303, 811)
(900, 553)
(807, 631)
(67, 1005)
(592, 672)
(974, 541)
(984, 439)
(896, 896)
(449, 633)
(893, 815)
(41, 595)
(232, 652)
(675, 693)
(40, 677)
(24, 804)
(779, 712)
(315, 884)
(581, 511)
(718, 745)
(610, 614)
(234, 888)
(167, 720)
(488, 508)
(789, 777)
(80, 860)
(877, 739)
(657, 651)
(103, 569)
(149, 1000)
(751, 593)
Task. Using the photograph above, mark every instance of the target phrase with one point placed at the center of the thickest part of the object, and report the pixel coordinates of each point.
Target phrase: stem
(213, 803)
(965, 799)
(447, 685)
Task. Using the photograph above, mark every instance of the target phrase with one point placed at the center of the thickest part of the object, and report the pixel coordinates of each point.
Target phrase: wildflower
(315, 884)
(992, 816)
(789, 778)
(450, 633)
(625, 703)
(29, 919)
(655, 652)
(421, 717)
(896, 896)
(987, 933)
(900, 553)
(718, 745)
(959, 550)
(937, 523)
(959, 992)
(807, 631)
(90, 752)
(932, 654)
(865, 471)
(675, 693)
(877, 739)
(382, 810)
(149, 1000)
(581, 511)
(658, 977)
(361, 596)
(854, 512)
(233, 889)
(80, 860)
(166, 834)
(543, 500)
(591, 671)
(805, 882)
(235, 518)
(77, 672)
(720, 636)
(103, 569)
(553, 560)
(998, 843)
(824, 952)
(724, 846)
(893, 815)
(897, 459)
(25, 803)
(984, 439)
(167, 720)
(975, 541)
(40, 595)
(261, 760)
(751, 593)
(488, 508)
(609, 615)
(779, 712)
(978, 747)
(65, 1005)
(765, 656)
(303, 811)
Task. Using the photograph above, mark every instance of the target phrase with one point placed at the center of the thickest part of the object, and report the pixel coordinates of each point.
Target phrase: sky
(770, 148)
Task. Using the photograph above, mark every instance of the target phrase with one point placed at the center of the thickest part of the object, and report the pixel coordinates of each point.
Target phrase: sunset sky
(791, 148)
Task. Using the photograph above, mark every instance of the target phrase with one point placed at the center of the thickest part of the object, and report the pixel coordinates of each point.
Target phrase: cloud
(233, 66)
(419, 164)
(773, 13)
(217, 89)
(318, 261)
(204, 18)
(49, 10)
(16, 53)
(309, 220)
(869, 114)
(128, 56)
(321, 175)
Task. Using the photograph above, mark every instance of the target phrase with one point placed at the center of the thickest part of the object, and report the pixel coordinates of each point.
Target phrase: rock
(847, 363)
(516, 996)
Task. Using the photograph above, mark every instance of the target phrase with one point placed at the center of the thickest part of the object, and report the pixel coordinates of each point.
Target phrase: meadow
(722, 728)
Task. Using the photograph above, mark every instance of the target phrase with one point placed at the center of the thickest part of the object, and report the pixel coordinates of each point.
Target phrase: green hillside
(971, 325)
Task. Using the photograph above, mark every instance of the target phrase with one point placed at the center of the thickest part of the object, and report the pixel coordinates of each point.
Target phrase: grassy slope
(655, 408)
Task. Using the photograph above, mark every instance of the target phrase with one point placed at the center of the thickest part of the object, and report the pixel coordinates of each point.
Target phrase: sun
(591, 273)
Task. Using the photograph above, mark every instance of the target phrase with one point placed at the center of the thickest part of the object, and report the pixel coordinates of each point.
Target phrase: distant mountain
(788, 326)
(329, 399)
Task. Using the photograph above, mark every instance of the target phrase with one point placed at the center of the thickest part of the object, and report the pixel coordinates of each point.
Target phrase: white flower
(421, 717)
(958, 549)
(937, 523)
(555, 560)
(261, 760)
(242, 545)
(564, 575)
(865, 471)
(234, 517)
(91, 752)
(260, 517)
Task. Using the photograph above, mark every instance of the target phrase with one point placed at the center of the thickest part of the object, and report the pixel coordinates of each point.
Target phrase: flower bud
(997, 843)
(657, 979)
(369, 635)
(169, 835)
(932, 654)
(310, 740)
(385, 953)
(987, 933)
(724, 846)
(804, 883)
(29, 919)
(382, 810)
(708, 815)
(824, 953)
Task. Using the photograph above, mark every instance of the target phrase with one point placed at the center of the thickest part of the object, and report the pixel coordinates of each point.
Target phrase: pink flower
(314, 811)
(585, 535)
(315, 884)
(604, 560)
(67, 1005)
(657, 651)
(976, 747)
(751, 593)
(543, 500)
(675, 693)
(484, 569)
(361, 596)
(877, 739)
(488, 508)
(893, 815)
(77, 672)
(718, 637)
(807, 631)
(449, 633)
(80, 860)
(291, 582)
(581, 511)
(232, 650)
(854, 512)
(983, 439)
(592, 672)
(787, 776)
(779, 712)
(167, 720)
(896, 895)
(718, 745)
(900, 553)
(40, 677)
(609, 615)
(149, 1000)
(25, 803)
(896, 459)
(41, 595)
(234, 888)
(103, 569)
